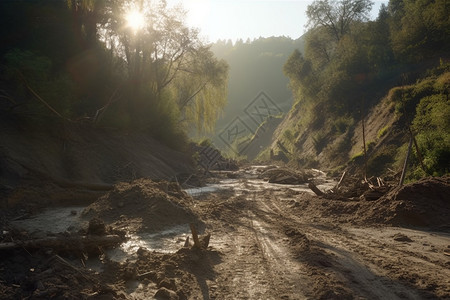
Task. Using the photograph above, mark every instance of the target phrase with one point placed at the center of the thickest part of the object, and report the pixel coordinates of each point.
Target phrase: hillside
(389, 76)
(54, 157)
(338, 144)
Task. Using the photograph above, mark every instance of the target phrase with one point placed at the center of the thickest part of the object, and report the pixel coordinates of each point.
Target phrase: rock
(401, 238)
(166, 294)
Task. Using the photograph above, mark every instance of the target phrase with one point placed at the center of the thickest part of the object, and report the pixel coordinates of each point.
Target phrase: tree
(164, 58)
(420, 28)
(337, 17)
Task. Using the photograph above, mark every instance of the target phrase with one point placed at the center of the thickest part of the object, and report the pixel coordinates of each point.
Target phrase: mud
(268, 241)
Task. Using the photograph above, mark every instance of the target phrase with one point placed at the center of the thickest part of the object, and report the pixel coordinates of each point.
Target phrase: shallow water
(53, 220)
(61, 219)
(251, 182)
(169, 240)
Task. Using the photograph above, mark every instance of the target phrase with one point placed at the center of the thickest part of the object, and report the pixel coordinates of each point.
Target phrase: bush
(342, 124)
(382, 131)
(378, 163)
(25, 71)
(319, 141)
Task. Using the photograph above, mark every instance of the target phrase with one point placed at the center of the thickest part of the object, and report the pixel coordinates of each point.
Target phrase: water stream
(62, 219)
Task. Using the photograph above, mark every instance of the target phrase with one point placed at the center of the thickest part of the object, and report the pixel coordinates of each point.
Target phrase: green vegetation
(84, 60)
(349, 63)
(432, 124)
(382, 131)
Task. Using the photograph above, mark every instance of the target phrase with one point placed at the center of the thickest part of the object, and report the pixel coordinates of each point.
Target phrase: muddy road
(272, 252)
(267, 241)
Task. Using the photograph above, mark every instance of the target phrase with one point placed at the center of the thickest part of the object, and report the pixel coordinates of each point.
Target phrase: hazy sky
(234, 19)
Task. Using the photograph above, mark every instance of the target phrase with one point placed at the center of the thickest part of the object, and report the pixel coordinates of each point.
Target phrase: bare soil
(266, 243)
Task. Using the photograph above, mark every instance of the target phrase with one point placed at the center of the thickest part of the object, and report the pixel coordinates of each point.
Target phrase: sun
(135, 20)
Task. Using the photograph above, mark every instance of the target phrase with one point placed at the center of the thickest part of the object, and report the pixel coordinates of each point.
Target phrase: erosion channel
(260, 240)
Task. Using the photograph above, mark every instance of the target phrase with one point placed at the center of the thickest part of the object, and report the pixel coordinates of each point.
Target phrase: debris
(166, 294)
(284, 176)
(89, 243)
(314, 188)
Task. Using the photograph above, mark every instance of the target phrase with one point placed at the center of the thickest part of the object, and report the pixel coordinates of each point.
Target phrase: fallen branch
(86, 243)
(314, 188)
(336, 187)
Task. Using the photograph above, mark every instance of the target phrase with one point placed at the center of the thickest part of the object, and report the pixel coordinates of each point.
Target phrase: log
(314, 188)
(85, 243)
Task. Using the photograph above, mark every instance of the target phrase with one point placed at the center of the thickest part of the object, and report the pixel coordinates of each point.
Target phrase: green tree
(420, 29)
(337, 16)
(162, 59)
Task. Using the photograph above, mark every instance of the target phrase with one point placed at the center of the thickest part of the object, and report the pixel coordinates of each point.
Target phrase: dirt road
(271, 251)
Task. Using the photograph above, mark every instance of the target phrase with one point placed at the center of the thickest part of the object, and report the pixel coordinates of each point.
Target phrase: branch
(186, 101)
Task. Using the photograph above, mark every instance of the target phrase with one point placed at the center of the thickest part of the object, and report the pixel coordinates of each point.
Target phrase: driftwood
(86, 243)
(314, 188)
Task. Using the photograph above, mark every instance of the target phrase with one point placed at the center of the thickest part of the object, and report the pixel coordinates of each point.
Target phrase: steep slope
(336, 144)
(77, 153)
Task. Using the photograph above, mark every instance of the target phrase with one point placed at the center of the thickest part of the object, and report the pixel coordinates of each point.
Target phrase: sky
(235, 19)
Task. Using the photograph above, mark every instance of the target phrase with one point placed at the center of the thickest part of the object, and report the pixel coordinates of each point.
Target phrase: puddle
(61, 219)
(53, 220)
(169, 240)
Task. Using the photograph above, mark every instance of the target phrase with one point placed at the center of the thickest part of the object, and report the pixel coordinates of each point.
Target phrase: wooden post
(364, 141)
(402, 178)
(195, 235)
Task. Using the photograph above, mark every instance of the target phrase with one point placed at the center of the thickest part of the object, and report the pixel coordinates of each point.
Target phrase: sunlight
(135, 20)
(197, 12)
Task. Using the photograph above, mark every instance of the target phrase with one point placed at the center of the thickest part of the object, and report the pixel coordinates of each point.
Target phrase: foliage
(342, 124)
(432, 124)
(420, 28)
(337, 17)
(319, 141)
(85, 61)
(378, 163)
(382, 132)
(31, 73)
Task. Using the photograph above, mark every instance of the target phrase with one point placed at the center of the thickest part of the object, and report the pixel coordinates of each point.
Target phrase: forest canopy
(131, 65)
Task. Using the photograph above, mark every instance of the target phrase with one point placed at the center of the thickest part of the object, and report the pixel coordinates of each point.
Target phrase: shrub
(342, 124)
(382, 131)
(319, 142)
